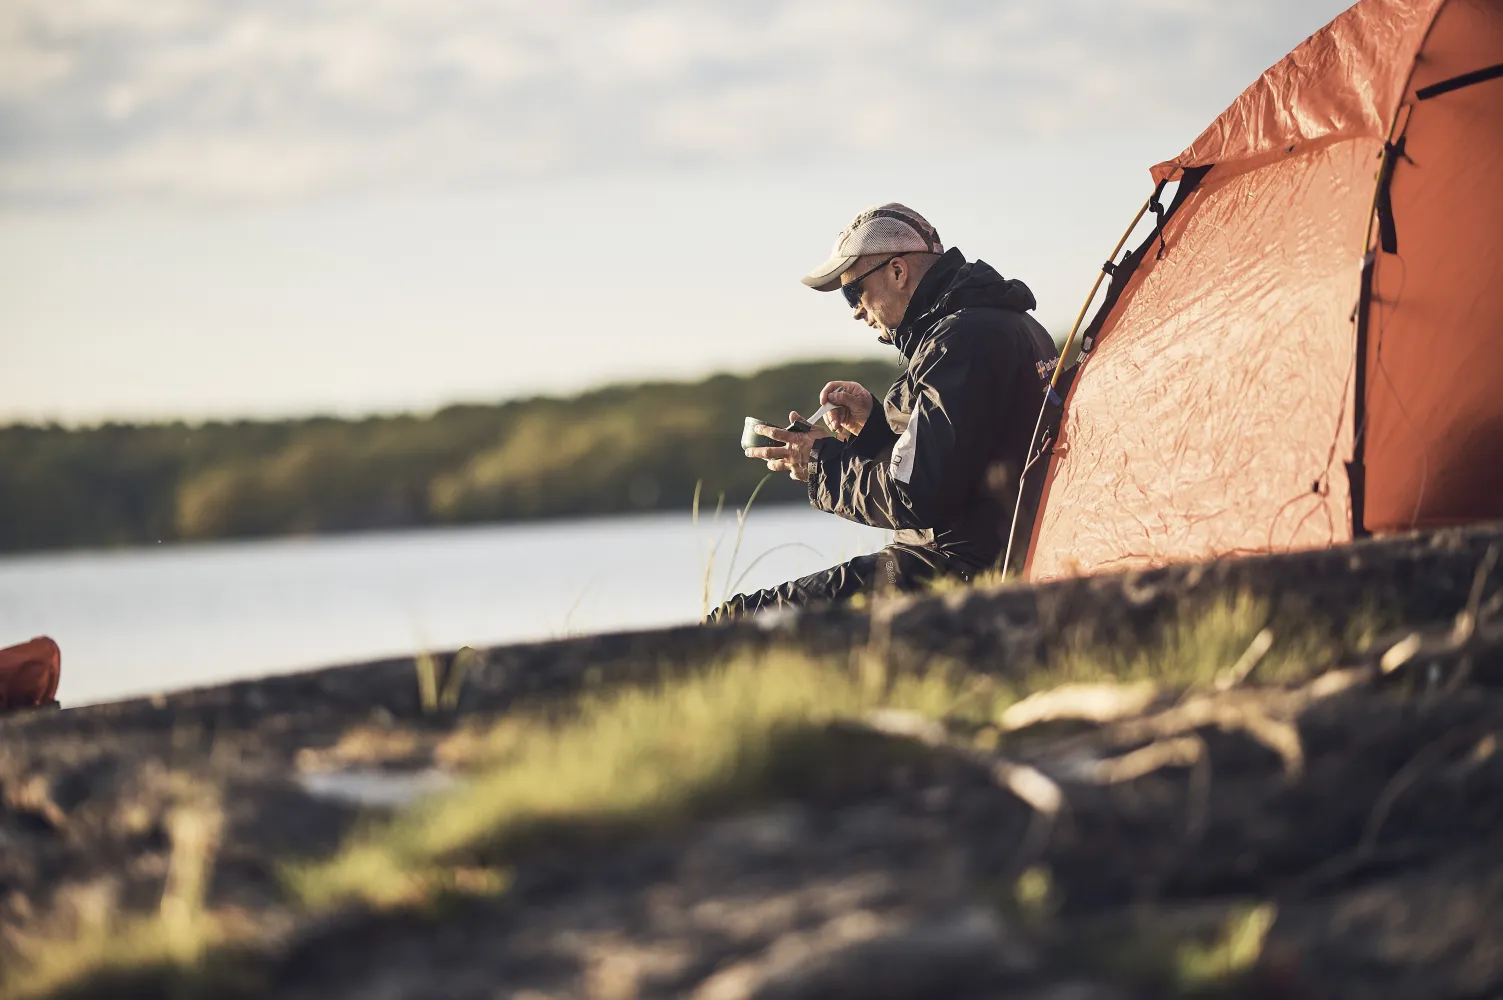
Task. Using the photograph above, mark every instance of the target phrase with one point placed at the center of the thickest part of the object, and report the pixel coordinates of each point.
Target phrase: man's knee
(729, 611)
(732, 609)
(904, 569)
(745, 605)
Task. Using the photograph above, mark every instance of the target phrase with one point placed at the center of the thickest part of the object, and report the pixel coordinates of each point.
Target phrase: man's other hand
(853, 406)
(791, 455)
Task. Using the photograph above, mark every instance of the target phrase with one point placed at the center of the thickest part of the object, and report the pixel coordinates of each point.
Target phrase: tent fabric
(1215, 395)
(1434, 450)
(1224, 396)
(1342, 82)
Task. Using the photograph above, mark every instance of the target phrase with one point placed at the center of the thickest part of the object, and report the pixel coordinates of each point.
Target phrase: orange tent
(1310, 345)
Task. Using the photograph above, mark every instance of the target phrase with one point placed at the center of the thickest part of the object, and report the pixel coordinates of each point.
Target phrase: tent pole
(1096, 287)
(1060, 367)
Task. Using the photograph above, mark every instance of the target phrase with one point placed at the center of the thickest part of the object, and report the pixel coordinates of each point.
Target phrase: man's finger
(776, 433)
(769, 453)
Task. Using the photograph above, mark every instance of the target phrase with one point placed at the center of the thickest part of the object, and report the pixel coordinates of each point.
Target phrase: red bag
(29, 674)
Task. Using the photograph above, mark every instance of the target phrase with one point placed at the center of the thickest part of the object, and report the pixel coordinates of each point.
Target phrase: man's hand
(853, 406)
(792, 454)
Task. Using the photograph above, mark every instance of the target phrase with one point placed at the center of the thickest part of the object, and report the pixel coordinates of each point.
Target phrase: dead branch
(1229, 714)
(1084, 702)
(1470, 634)
(1037, 790)
(1181, 751)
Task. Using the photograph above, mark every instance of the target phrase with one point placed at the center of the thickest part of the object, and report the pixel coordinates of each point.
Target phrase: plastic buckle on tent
(1160, 214)
(1054, 397)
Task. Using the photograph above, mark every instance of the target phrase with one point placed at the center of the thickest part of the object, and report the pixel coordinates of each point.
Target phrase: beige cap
(890, 228)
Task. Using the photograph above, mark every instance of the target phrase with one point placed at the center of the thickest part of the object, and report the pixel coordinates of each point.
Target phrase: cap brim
(826, 277)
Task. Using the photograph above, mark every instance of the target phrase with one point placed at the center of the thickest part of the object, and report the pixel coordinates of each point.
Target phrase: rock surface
(1361, 812)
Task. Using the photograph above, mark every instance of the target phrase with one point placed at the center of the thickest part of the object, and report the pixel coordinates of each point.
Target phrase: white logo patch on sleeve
(901, 466)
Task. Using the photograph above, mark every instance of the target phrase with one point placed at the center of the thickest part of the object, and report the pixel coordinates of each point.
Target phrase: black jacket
(942, 468)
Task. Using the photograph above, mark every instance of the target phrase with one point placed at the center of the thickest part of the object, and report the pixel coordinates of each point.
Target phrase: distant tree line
(623, 448)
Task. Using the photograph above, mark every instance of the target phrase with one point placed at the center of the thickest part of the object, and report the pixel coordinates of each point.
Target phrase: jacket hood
(953, 284)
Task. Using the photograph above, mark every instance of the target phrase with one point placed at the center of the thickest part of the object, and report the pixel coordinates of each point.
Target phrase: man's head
(877, 263)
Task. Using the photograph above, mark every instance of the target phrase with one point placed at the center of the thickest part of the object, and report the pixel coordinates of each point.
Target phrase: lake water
(143, 620)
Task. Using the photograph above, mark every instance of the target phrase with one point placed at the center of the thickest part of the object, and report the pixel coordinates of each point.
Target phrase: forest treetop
(618, 449)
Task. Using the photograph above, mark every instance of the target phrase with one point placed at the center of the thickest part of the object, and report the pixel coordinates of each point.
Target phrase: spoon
(803, 426)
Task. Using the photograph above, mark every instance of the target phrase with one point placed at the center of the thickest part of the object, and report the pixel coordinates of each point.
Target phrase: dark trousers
(897, 568)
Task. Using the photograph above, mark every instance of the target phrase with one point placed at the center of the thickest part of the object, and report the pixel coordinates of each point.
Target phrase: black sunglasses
(852, 289)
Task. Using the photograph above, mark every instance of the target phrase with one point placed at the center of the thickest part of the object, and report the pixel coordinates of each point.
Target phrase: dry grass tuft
(635, 759)
(1192, 649)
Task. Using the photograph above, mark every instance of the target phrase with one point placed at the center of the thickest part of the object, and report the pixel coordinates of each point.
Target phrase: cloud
(107, 100)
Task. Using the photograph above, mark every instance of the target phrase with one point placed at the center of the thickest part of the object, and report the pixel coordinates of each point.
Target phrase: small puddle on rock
(375, 787)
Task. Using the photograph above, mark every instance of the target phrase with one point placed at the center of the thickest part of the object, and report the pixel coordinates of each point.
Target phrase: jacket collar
(928, 295)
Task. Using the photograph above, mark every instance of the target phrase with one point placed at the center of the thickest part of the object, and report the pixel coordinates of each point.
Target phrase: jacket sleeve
(936, 464)
(876, 435)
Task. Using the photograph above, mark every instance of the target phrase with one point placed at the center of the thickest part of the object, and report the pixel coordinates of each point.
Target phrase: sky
(258, 208)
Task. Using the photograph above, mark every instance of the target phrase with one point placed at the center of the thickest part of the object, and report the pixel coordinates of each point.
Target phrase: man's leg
(901, 568)
(837, 583)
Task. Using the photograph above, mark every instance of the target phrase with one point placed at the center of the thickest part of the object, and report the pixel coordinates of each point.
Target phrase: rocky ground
(1334, 833)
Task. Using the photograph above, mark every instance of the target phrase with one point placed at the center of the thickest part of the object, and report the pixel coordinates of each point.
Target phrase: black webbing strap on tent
(1388, 233)
(1356, 469)
(1457, 82)
(1122, 271)
(1157, 207)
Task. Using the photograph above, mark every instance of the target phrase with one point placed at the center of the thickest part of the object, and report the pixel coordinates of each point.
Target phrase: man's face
(884, 293)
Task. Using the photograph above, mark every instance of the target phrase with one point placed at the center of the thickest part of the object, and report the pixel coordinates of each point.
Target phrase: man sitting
(940, 462)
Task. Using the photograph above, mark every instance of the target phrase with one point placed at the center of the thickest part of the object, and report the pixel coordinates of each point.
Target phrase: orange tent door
(1434, 387)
